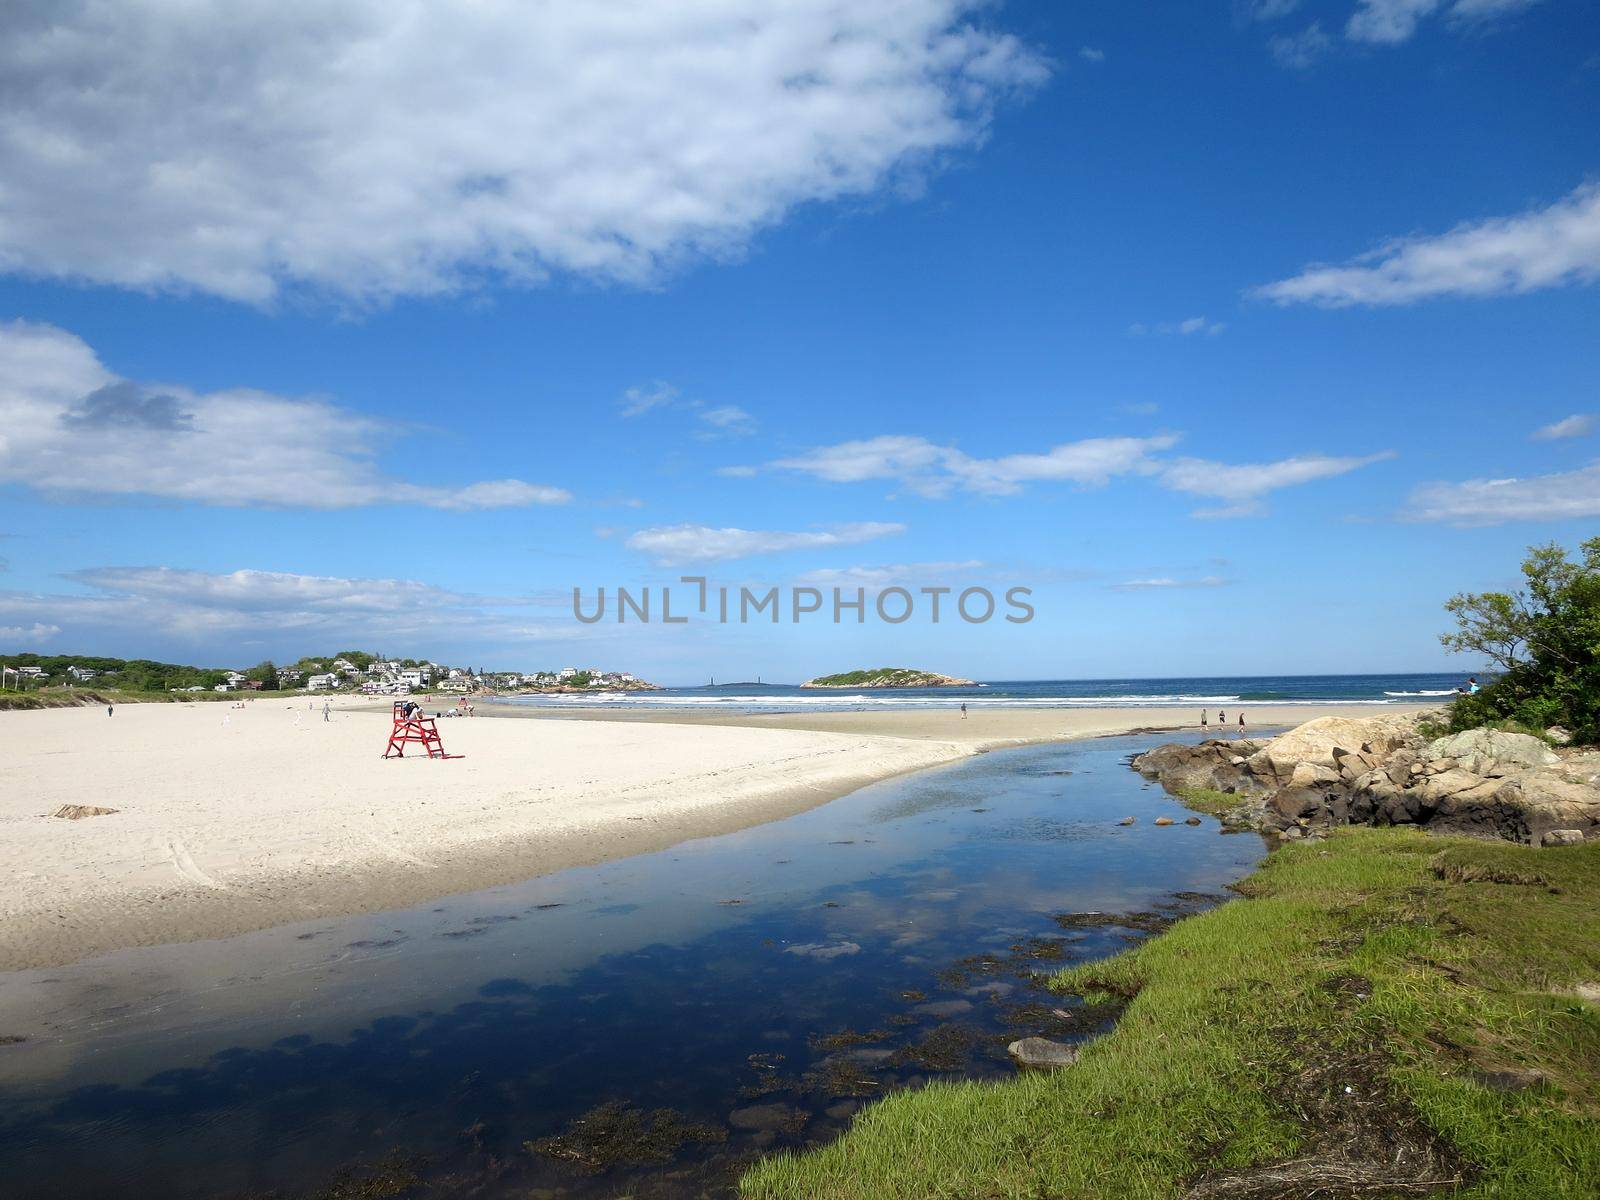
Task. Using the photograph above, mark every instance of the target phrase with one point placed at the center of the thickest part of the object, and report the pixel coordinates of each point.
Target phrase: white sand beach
(233, 819)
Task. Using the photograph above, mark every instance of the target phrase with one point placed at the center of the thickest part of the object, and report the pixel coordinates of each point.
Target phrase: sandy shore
(230, 820)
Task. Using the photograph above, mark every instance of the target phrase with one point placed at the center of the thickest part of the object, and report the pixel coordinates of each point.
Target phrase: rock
(1315, 741)
(1295, 803)
(1476, 749)
(1516, 1080)
(1558, 736)
(1207, 765)
(77, 812)
(1562, 837)
(1447, 783)
(1191, 820)
(1128, 821)
(1042, 1053)
(1293, 834)
(1309, 775)
(1163, 821)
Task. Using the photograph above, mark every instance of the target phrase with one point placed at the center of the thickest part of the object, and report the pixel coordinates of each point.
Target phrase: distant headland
(887, 677)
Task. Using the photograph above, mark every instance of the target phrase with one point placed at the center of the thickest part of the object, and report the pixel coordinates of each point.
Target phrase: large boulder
(1484, 750)
(1215, 764)
(1315, 743)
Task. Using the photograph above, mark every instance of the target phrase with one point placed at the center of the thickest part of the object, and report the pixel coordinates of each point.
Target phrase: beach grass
(1382, 1001)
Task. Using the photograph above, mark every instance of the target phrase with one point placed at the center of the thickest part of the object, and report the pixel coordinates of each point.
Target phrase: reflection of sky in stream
(268, 1060)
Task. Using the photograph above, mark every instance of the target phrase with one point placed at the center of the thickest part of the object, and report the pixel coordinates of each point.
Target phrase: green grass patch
(1209, 800)
(1385, 962)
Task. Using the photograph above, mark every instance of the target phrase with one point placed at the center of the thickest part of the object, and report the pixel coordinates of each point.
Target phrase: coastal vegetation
(1382, 1013)
(886, 677)
(1545, 642)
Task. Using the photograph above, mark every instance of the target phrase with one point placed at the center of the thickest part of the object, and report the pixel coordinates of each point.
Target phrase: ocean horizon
(1160, 692)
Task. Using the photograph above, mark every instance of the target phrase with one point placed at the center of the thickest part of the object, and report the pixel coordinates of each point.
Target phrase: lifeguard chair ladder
(414, 730)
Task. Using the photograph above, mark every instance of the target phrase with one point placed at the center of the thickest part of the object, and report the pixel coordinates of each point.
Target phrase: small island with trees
(887, 677)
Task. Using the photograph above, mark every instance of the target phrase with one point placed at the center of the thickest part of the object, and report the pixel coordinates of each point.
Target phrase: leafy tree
(266, 671)
(1545, 639)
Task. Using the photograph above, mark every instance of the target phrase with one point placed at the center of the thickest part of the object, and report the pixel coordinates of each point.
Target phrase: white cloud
(69, 426)
(889, 574)
(689, 544)
(139, 606)
(637, 401)
(1576, 426)
(1495, 501)
(372, 149)
(1300, 51)
(723, 420)
(27, 635)
(739, 471)
(1242, 485)
(1387, 22)
(1091, 54)
(1265, 10)
(1184, 328)
(934, 470)
(1478, 11)
(727, 419)
(1166, 582)
(1545, 247)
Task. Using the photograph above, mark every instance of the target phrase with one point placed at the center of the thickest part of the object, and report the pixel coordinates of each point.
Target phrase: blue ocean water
(1176, 692)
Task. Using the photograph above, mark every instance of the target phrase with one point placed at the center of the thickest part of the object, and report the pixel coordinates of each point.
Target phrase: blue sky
(1243, 334)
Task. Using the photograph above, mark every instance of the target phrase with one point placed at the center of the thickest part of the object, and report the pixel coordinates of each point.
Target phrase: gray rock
(1562, 837)
(1042, 1053)
(1476, 749)
(1191, 820)
(1558, 736)
(1128, 821)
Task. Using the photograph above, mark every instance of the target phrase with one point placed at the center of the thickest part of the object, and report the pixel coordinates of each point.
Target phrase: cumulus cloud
(1264, 10)
(223, 611)
(1386, 22)
(1092, 54)
(373, 149)
(672, 545)
(933, 470)
(1241, 486)
(1576, 426)
(69, 426)
(1561, 496)
(1544, 247)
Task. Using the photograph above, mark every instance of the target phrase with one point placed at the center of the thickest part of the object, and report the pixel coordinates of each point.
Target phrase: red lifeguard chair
(415, 729)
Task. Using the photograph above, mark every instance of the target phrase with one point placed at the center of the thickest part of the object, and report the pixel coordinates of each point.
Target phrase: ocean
(1176, 692)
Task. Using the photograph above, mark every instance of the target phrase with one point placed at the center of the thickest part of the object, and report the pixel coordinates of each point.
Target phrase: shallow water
(760, 985)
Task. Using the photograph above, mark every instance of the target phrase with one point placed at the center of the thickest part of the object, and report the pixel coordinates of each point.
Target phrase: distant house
(31, 672)
(288, 675)
(322, 683)
(458, 686)
(82, 674)
(566, 672)
(413, 677)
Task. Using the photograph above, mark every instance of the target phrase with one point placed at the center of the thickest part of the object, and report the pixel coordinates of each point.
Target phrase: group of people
(1222, 720)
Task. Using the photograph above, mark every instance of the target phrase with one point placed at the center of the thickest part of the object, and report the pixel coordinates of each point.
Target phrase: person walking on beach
(963, 710)
(108, 710)
(325, 710)
(1241, 722)
(1222, 718)
(1205, 721)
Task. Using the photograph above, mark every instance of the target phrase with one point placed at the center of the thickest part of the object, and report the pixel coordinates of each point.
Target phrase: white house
(414, 677)
(82, 674)
(31, 672)
(566, 672)
(322, 683)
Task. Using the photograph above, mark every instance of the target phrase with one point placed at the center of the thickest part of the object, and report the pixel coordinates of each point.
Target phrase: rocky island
(887, 677)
